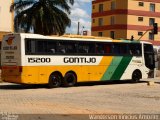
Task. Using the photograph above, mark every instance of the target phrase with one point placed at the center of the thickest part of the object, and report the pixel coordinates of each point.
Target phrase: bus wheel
(70, 79)
(54, 80)
(136, 76)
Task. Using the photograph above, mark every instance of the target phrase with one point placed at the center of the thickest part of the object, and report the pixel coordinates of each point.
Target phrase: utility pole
(78, 28)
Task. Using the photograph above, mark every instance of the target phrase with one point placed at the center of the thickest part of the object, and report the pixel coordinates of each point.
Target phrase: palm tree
(42, 16)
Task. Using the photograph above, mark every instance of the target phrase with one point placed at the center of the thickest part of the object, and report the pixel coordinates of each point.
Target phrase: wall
(6, 18)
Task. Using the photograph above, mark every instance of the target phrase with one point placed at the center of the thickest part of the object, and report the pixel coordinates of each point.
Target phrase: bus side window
(30, 46)
(108, 49)
(132, 49)
(67, 47)
(138, 49)
(53, 50)
(84, 47)
(51, 47)
(70, 47)
(116, 48)
(124, 49)
(91, 48)
(61, 47)
(120, 49)
(135, 49)
(100, 48)
(41, 47)
(103, 48)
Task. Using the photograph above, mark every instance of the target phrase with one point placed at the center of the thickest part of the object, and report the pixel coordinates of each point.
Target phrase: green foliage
(42, 16)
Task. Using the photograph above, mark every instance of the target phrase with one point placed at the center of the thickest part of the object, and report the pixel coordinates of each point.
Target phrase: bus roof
(77, 38)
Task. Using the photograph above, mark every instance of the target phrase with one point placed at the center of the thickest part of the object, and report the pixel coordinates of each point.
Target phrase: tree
(42, 16)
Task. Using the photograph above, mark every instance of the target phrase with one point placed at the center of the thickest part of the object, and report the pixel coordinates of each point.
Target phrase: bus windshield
(149, 56)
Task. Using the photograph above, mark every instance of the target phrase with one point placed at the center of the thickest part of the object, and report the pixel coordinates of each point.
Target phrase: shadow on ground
(10, 86)
(157, 82)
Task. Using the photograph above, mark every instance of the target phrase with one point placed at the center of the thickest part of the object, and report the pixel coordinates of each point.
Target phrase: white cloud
(84, 0)
(80, 14)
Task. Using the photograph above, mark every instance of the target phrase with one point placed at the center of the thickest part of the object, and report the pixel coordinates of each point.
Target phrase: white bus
(56, 61)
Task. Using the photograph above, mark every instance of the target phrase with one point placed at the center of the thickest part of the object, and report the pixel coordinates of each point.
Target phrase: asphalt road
(92, 98)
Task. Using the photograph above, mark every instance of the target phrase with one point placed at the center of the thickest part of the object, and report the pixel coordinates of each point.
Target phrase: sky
(80, 12)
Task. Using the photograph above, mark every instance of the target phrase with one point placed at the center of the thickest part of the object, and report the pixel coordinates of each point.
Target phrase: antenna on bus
(154, 30)
(132, 38)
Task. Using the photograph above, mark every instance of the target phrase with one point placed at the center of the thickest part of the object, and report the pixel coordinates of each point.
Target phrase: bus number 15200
(39, 60)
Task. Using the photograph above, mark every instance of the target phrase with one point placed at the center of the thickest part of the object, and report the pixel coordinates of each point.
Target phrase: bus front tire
(70, 80)
(136, 76)
(54, 81)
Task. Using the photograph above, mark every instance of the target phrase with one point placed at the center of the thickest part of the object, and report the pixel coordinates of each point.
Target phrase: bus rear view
(10, 58)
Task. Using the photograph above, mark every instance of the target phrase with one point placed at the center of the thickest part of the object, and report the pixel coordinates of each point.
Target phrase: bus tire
(54, 80)
(136, 76)
(70, 79)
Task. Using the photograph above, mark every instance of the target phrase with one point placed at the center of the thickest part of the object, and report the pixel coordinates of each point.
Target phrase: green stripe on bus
(111, 69)
(121, 68)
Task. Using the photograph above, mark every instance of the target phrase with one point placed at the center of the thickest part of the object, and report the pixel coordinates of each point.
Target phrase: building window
(151, 36)
(100, 7)
(151, 21)
(112, 34)
(100, 21)
(140, 19)
(100, 34)
(141, 4)
(112, 20)
(93, 7)
(140, 33)
(93, 20)
(152, 7)
(113, 5)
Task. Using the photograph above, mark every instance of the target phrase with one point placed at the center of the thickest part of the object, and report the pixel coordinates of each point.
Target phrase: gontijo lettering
(79, 60)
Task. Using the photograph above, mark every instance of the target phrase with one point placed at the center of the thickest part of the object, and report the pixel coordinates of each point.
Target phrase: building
(125, 18)
(6, 17)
